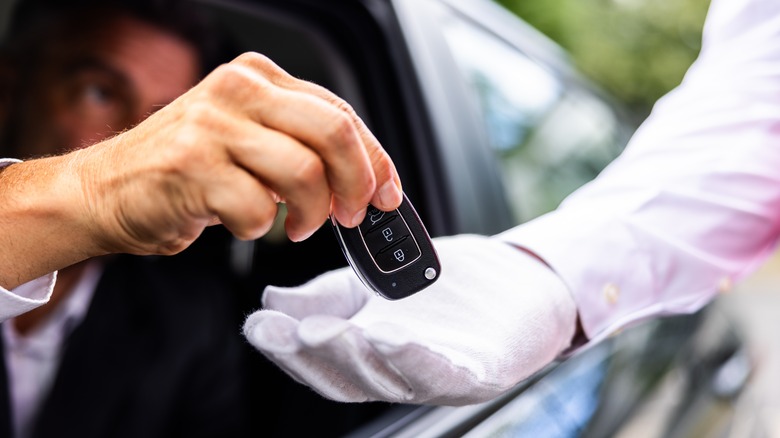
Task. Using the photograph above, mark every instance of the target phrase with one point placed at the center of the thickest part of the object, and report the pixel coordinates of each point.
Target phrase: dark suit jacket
(159, 354)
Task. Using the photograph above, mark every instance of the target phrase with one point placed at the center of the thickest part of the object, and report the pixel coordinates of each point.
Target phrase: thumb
(272, 332)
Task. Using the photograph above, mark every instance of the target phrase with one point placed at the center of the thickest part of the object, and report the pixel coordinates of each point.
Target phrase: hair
(34, 22)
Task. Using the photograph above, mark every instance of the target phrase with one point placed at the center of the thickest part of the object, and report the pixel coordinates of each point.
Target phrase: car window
(550, 135)
(560, 405)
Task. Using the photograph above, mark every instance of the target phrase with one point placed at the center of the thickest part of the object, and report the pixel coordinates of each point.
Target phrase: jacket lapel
(5, 404)
(96, 357)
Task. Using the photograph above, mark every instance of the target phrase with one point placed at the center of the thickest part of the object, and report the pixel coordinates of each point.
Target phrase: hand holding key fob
(390, 251)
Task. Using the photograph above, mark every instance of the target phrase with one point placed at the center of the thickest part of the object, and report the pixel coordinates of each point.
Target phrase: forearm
(664, 230)
(42, 223)
(692, 205)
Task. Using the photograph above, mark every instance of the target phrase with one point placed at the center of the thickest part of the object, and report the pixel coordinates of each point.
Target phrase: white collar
(46, 340)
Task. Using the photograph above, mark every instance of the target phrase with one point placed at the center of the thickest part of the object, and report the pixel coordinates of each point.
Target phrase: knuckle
(199, 120)
(233, 80)
(200, 115)
(253, 59)
(224, 73)
(343, 131)
(263, 64)
(309, 172)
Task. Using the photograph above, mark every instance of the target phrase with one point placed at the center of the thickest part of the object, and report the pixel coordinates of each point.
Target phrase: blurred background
(638, 50)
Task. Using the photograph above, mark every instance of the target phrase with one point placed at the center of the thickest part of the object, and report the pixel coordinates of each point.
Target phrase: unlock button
(385, 235)
(398, 255)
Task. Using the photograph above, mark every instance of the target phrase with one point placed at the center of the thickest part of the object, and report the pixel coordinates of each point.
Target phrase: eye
(92, 94)
(97, 94)
(97, 99)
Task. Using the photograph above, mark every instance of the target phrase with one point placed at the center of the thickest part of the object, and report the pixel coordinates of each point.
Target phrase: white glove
(495, 316)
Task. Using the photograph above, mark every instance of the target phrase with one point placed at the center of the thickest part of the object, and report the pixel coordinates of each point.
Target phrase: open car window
(489, 127)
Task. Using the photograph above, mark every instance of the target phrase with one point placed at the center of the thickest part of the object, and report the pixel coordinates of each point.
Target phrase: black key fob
(390, 251)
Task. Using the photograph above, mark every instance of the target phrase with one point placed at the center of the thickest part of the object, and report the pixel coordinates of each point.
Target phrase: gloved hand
(494, 317)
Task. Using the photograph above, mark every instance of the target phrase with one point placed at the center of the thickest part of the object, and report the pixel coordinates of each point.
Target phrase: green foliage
(635, 49)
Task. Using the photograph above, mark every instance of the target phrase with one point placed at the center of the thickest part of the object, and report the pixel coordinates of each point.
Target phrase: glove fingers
(341, 347)
(337, 293)
(431, 373)
(272, 332)
(327, 353)
(276, 336)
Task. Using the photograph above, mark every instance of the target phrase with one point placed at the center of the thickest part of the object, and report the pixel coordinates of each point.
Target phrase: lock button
(389, 233)
(399, 255)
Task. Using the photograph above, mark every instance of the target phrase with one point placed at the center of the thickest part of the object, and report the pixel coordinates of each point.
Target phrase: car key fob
(390, 251)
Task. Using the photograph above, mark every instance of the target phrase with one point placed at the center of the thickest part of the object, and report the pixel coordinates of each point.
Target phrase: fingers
(332, 135)
(336, 293)
(289, 168)
(340, 345)
(246, 220)
(358, 169)
(227, 151)
(275, 335)
(272, 332)
(388, 186)
(327, 353)
(420, 363)
(346, 363)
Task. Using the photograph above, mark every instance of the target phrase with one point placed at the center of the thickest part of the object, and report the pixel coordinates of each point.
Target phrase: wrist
(41, 225)
(531, 253)
(579, 338)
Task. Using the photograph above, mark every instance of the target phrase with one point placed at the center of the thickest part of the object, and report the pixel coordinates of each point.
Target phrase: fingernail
(303, 236)
(389, 194)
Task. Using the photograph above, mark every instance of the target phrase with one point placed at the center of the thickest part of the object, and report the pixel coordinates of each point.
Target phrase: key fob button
(398, 255)
(389, 233)
(376, 217)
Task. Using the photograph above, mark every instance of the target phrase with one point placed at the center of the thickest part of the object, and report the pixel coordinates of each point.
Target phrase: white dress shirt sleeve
(693, 203)
(29, 295)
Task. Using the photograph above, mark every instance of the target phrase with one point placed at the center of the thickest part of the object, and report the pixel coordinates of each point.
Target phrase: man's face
(101, 82)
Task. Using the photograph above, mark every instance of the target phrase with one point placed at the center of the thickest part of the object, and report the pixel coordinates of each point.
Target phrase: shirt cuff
(27, 296)
(6, 161)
